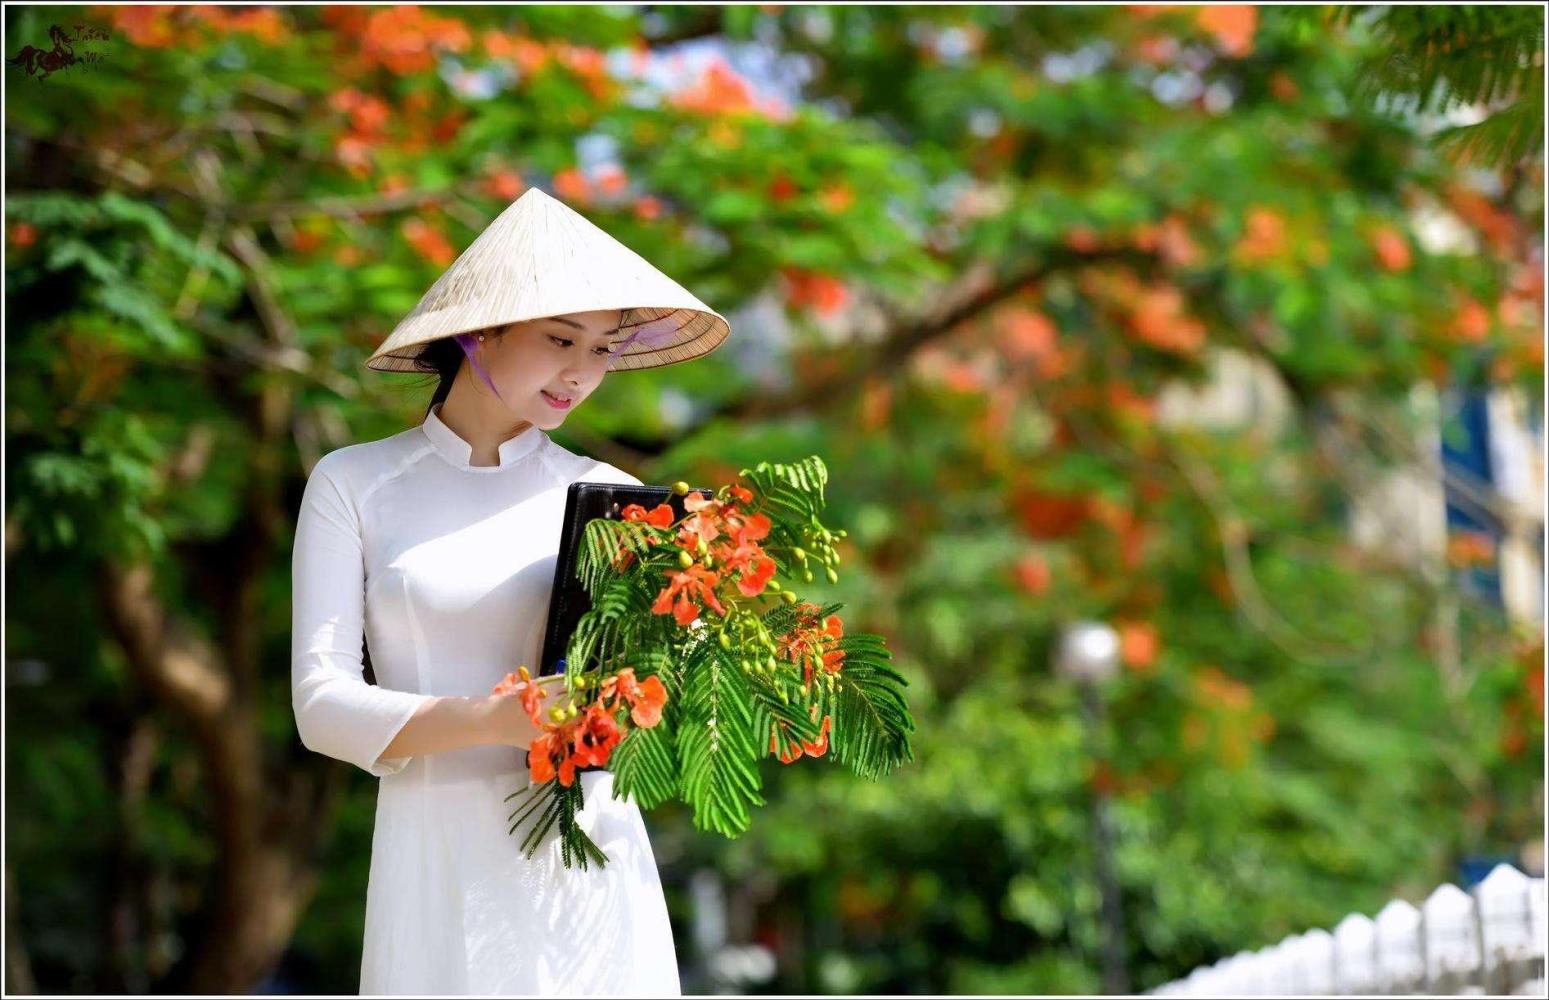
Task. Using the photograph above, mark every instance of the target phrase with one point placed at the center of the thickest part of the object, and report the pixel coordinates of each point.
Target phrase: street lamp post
(1088, 654)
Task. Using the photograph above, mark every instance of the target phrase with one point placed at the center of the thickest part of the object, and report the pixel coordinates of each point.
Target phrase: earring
(481, 338)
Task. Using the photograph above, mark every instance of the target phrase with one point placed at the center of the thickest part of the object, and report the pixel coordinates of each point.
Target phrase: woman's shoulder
(354, 467)
(574, 468)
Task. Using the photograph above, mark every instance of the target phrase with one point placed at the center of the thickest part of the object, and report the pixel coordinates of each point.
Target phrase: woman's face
(564, 355)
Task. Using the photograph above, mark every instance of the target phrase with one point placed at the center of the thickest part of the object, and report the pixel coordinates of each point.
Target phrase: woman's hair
(442, 357)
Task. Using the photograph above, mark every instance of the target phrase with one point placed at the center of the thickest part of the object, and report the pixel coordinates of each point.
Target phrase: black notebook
(568, 600)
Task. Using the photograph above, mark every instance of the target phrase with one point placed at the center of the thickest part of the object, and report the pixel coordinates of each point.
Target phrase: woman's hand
(507, 722)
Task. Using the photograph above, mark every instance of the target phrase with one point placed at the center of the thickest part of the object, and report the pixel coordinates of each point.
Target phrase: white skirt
(454, 907)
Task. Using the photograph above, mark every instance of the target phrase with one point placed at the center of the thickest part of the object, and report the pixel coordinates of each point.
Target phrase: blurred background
(1220, 327)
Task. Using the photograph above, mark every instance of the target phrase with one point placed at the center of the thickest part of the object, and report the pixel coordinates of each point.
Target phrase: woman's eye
(565, 342)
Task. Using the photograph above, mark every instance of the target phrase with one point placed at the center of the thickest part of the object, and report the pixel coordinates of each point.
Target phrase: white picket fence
(1488, 941)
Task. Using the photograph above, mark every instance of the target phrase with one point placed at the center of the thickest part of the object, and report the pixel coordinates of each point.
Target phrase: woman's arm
(448, 723)
(337, 712)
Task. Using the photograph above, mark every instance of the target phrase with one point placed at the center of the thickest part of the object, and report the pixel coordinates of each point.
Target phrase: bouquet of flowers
(697, 659)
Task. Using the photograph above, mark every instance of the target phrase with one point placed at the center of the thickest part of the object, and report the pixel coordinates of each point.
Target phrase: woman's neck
(482, 421)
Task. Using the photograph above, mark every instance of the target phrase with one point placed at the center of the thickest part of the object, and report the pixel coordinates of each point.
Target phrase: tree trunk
(264, 830)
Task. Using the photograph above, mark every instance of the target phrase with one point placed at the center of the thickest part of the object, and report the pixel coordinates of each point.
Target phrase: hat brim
(697, 333)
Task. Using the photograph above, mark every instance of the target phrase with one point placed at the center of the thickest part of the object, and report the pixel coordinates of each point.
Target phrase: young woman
(430, 555)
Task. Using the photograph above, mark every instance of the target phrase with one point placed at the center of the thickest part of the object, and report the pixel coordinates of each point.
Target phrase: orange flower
(808, 639)
(1391, 248)
(1265, 235)
(782, 188)
(621, 684)
(1033, 574)
(718, 91)
(820, 747)
(660, 515)
(596, 736)
(645, 698)
(788, 755)
(682, 595)
(612, 180)
(430, 242)
(646, 707)
(572, 185)
(23, 234)
(833, 630)
(1471, 323)
(1232, 24)
(531, 693)
(816, 748)
(705, 523)
(550, 755)
(744, 556)
(1138, 645)
(506, 185)
(822, 292)
(836, 198)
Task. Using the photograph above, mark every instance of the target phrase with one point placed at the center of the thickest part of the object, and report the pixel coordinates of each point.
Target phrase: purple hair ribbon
(467, 341)
(654, 334)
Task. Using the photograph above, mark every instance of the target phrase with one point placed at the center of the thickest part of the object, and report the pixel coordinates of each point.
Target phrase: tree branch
(174, 664)
(908, 336)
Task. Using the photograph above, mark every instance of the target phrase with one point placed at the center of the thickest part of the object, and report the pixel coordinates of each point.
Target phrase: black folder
(568, 600)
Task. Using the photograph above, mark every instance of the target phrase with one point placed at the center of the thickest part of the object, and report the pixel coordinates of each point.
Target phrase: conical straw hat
(542, 258)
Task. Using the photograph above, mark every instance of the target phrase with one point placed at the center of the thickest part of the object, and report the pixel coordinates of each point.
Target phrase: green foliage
(717, 744)
(720, 712)
(1461, 54)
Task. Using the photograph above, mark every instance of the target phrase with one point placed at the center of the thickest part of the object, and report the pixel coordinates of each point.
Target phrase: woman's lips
(558, 405)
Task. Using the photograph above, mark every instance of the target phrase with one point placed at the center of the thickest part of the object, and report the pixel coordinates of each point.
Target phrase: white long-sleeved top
(445, 568)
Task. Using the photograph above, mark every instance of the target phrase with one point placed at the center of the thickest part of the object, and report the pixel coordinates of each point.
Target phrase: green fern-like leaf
(871, 720)
(793, 490)
(720, 778)
(645, 764)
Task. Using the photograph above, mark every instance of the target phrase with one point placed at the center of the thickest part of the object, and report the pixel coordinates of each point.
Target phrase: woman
(434, 549)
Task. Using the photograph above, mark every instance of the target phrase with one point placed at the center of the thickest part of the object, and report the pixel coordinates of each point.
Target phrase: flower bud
(832, 576)
(799, 553)
(684, 559)
(806, 575)
(790, 596)
(725, 641)
(680, 487)
(556, 714)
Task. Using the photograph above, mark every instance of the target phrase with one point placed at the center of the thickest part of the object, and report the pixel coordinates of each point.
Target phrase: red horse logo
(40, 62)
